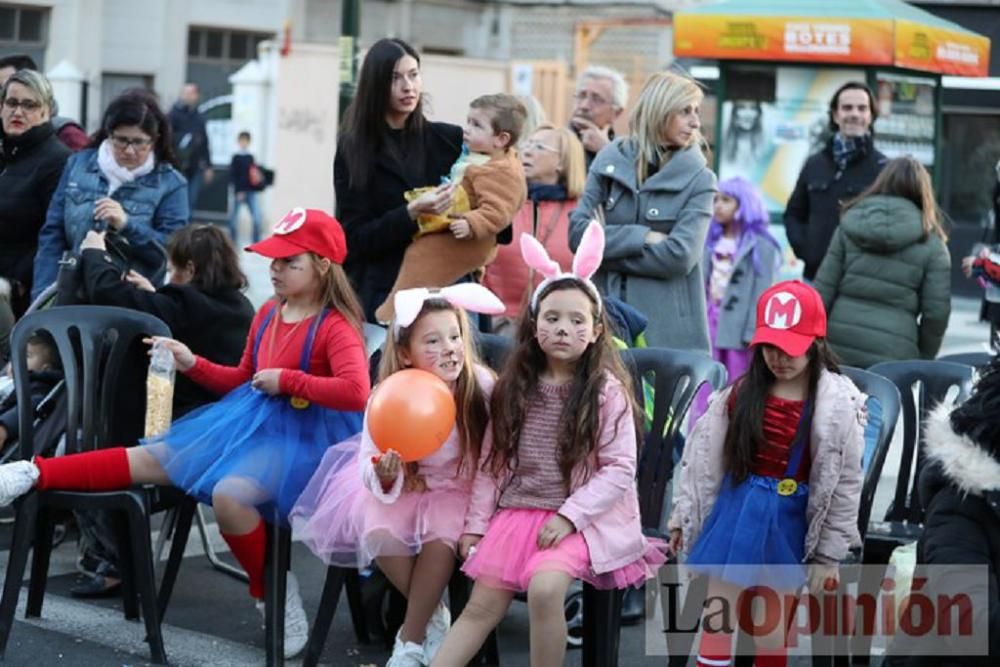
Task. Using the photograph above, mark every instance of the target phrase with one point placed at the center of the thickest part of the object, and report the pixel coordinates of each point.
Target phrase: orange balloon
(412, 412)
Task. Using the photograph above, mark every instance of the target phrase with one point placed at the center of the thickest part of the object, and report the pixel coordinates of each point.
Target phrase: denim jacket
(156, 205)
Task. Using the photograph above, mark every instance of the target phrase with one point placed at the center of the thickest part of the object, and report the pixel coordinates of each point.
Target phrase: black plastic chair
(676, 375)
(834, 650)
(903, 522)
(887, 394)
(101, 352)
(493, 349)
(974, 359)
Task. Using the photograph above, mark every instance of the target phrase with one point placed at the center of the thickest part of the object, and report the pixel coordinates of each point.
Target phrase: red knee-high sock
(715, 649)
(775, 657)
(100, 470)
(249, 551)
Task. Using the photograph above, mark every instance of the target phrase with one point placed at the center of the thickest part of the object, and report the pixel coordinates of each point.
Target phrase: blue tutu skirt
(754, 536)
(260, 450)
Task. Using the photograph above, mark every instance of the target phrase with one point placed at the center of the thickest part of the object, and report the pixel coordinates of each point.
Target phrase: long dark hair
(580, 421)
(364, 130)
(139, 107)
(905, 177)
(208, 248)
(336, 293)
(745, 435)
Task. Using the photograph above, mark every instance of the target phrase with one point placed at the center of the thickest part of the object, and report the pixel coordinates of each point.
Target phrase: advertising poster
(905, 125)
(767, 140)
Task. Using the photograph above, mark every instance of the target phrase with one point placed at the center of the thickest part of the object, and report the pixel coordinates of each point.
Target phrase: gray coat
(663, 280)
(738, 310)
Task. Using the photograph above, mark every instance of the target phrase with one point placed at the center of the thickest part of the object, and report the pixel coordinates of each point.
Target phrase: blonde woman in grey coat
(655, 190)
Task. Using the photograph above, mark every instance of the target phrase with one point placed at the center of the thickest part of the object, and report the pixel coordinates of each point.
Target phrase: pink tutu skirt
(344, 524)
(508, 555)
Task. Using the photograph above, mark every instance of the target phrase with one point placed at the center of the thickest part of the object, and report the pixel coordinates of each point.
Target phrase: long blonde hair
(905, 177)
(472, 410)
(663, 95)
(572, 160)
(335, 292)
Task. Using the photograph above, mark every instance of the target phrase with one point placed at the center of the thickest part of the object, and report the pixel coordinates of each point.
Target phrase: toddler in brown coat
(492, 189)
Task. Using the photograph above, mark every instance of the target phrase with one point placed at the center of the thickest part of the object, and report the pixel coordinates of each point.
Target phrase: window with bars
(23, 30)
(220, 46)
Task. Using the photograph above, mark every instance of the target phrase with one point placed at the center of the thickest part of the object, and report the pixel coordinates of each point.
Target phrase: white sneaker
(406, 654)
(296, 623)
(437, 628)
(16, 479)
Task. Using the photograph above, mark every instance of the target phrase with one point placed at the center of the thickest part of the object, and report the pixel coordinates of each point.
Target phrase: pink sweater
(439, 470)
(537, 483)
(604, 506)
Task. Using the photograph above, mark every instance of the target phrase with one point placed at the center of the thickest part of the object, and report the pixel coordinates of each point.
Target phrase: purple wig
(751, 218)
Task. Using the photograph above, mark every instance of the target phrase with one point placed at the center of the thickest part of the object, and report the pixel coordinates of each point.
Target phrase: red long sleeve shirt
(338, 366)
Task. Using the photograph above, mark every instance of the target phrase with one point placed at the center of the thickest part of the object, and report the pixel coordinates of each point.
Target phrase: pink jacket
(507, 274)
(605, 507)
(439, 470)
(836, 444)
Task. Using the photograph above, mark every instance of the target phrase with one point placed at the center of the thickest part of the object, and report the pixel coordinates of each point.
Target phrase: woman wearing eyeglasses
(126, 183)
(553, 161)
(31, 160)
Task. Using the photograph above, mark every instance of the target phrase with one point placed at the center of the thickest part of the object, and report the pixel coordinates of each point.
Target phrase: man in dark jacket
(67, 130)
(191, 142)
(847, 165)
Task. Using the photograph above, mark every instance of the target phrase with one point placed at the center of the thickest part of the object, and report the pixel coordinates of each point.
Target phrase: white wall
(303, 129)
(451, 83)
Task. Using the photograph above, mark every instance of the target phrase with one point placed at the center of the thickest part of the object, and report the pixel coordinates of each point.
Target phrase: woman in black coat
(31, 161)
(386, 148)
(960, 490)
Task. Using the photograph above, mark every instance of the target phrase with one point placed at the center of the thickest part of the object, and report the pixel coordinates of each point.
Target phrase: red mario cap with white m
(304, 230)
(790, 316)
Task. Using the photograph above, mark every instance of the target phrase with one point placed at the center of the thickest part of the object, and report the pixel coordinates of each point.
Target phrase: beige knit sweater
(496, 190)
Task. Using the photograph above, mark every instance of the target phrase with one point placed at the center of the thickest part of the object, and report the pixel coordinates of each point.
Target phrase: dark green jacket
(886, 288)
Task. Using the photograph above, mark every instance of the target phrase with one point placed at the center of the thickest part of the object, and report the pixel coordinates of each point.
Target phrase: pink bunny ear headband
(470, 296)
(585, 263)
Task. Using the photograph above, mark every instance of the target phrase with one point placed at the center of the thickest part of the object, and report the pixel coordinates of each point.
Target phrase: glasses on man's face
(12, 104)
(595, 99)
(124, 143)
(539, 146)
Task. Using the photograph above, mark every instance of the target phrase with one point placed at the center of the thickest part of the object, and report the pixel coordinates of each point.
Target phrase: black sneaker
(88, 564)
(97, 586)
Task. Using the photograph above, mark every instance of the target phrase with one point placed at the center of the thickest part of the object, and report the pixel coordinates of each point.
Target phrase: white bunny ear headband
(585, 263)
(470, 296)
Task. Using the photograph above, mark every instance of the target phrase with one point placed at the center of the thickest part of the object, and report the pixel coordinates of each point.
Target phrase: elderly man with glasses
(599, 100)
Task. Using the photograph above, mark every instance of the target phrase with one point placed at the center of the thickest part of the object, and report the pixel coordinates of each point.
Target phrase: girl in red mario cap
(771, 475)
(301, 385)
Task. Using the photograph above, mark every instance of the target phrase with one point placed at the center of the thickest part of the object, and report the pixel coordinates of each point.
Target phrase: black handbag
(70, 288)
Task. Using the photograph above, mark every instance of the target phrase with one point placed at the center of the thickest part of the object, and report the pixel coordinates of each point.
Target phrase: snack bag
(430, 223)
(159, 390)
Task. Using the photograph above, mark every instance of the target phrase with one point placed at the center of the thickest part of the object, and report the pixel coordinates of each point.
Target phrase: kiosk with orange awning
(780, 61)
